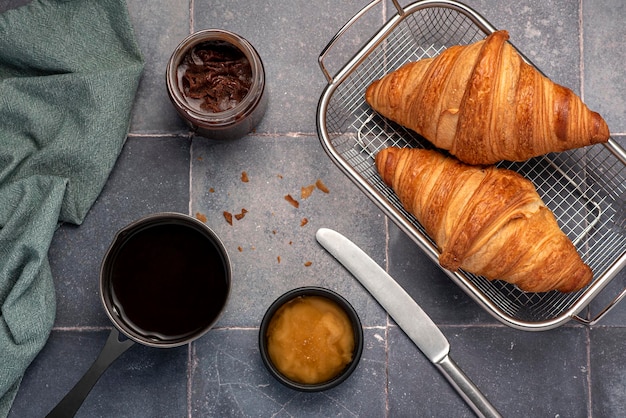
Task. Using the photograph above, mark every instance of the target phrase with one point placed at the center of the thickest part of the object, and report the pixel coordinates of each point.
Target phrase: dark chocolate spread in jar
(216, 82)
(215, 76)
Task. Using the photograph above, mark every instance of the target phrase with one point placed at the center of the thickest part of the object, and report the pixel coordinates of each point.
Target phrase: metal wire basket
(585, 188)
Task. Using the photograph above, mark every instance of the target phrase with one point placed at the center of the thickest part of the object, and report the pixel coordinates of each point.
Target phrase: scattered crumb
(304, 221)
(201, 217)
(306, 191)
(293, 202)
(244, 177)
(290, 242)
(320, 185)
(280, 176)
(240, 216)
(211, 190)
(240, 249)
(199, 158)
(278, 258)
(274, 232)
(307, 264)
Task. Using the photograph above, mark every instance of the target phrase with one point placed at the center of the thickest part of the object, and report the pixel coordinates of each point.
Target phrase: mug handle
(113, 348)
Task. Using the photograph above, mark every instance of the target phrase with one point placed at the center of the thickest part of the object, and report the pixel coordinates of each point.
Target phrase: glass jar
(225, 122)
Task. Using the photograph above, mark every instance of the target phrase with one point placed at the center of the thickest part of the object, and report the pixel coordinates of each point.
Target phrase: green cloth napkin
(69, 71)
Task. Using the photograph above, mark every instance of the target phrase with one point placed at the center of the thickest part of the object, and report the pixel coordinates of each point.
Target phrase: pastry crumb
(308, 263)
(293, 202)
(201, 217)
(240, 215)
(306, 191)
(304, 221)
(320, 185)
(229, 217)
(244, 177)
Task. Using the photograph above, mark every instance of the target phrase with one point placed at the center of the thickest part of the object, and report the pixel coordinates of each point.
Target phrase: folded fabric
(69, 71)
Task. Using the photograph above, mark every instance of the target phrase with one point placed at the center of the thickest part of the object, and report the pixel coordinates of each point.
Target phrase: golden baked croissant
(483, 104)
(486, 220)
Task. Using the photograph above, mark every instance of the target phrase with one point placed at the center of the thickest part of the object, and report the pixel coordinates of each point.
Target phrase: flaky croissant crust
(485, 220)
(483, 103)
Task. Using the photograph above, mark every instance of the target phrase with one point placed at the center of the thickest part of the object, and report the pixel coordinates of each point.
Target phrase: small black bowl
(356, 328)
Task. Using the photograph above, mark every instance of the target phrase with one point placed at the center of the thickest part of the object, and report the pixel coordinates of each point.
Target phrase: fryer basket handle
(603, 312)
(344, 28)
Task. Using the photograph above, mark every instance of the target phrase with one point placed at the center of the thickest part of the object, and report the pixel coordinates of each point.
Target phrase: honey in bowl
(310, 339)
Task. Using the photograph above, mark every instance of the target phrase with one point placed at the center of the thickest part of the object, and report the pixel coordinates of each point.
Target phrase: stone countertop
(571, 371)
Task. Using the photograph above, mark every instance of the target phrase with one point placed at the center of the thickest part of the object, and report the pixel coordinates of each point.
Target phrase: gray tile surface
(571, 371)
(229, 379)
(142, 382)
(519, 372)
(269, 245)
(604, 58)
(159, 28)
(608, 371)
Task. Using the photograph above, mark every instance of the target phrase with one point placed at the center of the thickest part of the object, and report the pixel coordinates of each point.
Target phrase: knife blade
(409, 316)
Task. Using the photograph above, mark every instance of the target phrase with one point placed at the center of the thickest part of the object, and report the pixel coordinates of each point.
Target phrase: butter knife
(407, 314)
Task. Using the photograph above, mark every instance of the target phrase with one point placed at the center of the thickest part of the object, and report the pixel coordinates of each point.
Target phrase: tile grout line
(190, 134)
(83, 328)
(189, 376)
(589, 401)
(156, 135)
(581, 50)
(388, 321)
(191, 21)
(190, 353)
(190, 176)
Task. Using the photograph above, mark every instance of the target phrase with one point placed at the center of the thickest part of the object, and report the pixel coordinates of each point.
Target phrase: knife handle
(466, 388)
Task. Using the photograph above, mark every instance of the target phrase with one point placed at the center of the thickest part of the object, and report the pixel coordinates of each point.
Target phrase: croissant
(486, 220)
(483, 103)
